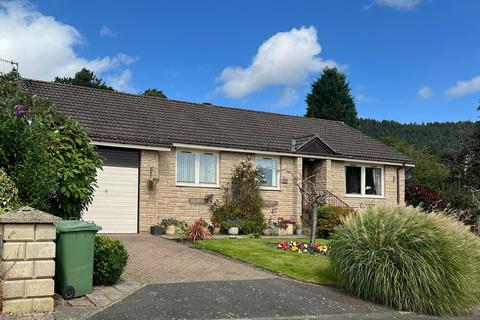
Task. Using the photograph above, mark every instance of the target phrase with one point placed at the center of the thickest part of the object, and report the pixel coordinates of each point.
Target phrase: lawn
(262, 253)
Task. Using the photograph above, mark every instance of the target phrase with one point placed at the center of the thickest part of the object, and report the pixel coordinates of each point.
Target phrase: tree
(314, 196)
(330, 98)
(466, 162)
(154, 93)
(85, 78)
(428, 171)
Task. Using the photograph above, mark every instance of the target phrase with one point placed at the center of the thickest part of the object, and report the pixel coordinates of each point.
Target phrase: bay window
(363, 180)
(269, 169)
(197, 168)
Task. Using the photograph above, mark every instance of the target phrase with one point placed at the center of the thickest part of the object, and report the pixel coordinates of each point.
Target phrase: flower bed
(300, 247)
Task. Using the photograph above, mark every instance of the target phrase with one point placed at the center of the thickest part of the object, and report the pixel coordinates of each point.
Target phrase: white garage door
(115, 201)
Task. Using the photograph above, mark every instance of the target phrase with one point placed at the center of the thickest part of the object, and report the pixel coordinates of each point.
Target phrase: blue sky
(406, 60)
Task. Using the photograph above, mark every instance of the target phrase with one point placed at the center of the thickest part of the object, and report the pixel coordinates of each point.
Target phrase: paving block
(40, 250)
(24, 232)
(42, 304)
(13, 251)
(13, 289)
(44, 268)
(18, 269)
(17, 306)
(45, 232)
(39, 287)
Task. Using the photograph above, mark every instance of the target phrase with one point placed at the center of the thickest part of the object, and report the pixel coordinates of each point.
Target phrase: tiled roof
(136, 119)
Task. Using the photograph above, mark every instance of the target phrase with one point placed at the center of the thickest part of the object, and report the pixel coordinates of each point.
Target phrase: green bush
(242, 199)
(47, 155)
(408, 260)
(330, 217)
(110, 260)
(8, 193)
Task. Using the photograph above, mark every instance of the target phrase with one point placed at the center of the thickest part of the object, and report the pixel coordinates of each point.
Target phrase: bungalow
(190, 148)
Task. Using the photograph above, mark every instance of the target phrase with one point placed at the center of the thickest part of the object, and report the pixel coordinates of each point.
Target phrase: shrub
(242, 199)
(427, 198)
(76, 160)
(198, 230)
(168, 222)
(182, 228)
(330, 217)
(408, 260)
(8, 193)
(110, 260)
(47, 155)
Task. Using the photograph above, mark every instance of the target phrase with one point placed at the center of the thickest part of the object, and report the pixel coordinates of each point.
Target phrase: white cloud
(396, 4)
(121, 81)
(464, 87)
(44, 46)
(107, 32)
(288, 97)
(285, 59)
(424, 93)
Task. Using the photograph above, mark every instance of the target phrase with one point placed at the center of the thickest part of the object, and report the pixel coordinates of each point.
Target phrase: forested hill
(441, 138)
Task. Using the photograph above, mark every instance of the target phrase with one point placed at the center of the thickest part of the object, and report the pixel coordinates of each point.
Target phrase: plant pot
(298, 232)
(289, 229)
(233, 230)
(267, 232)
(216, 230)
(156, 230)
(282, 232)
(171, 229)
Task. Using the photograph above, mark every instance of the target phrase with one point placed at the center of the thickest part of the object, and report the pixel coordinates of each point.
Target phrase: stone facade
(186, 202)
(28, 264)
(170, 200)
(335, 181)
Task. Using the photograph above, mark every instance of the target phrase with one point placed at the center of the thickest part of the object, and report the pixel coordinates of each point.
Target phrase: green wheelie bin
(74, 260)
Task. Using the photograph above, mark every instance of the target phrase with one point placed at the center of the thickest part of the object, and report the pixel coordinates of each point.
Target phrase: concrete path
(156, 260)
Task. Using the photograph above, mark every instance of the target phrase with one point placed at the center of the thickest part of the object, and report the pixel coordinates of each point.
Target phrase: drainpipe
(398, 182)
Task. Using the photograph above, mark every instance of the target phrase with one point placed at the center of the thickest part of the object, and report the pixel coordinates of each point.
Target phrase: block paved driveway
(185, 283)
(156, 260)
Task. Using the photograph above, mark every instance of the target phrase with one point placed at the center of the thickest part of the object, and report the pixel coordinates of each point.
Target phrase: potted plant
(290, 223)
(282, 226)
(152, 183)
(271, 229)
(233, 226)
(182, 229)
(216, 227)
(170, 225)
(157, 229)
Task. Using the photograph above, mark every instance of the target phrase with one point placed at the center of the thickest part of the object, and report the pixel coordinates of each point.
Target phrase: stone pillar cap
(28, 215)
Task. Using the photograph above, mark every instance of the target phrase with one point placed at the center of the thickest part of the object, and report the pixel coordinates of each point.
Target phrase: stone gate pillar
(27, 260)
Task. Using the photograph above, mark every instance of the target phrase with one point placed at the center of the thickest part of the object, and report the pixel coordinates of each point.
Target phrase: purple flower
(20, 110)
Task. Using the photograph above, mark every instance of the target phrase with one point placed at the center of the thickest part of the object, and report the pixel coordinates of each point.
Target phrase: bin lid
(76, 225)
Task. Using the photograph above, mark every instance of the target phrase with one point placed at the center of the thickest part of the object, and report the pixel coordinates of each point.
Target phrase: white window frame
(266, 157)
(197, 183)
(363, 194)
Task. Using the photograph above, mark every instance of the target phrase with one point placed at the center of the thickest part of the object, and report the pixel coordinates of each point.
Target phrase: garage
(115, 200)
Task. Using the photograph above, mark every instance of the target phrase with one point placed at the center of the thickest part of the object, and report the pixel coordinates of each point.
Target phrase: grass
(262, 253)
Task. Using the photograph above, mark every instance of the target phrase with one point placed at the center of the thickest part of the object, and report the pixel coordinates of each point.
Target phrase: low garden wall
(28, 266)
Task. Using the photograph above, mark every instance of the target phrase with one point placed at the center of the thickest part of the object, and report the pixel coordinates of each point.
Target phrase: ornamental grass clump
(408, 260)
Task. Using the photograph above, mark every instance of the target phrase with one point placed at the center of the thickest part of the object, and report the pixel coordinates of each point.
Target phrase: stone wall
(28, 264)
(170, 200)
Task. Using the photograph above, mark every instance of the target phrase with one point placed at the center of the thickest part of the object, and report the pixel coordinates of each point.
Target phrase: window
(364, 181)
(269, 169)
(208, 168)
(354, 180)
(373, 181)
(197, 168)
